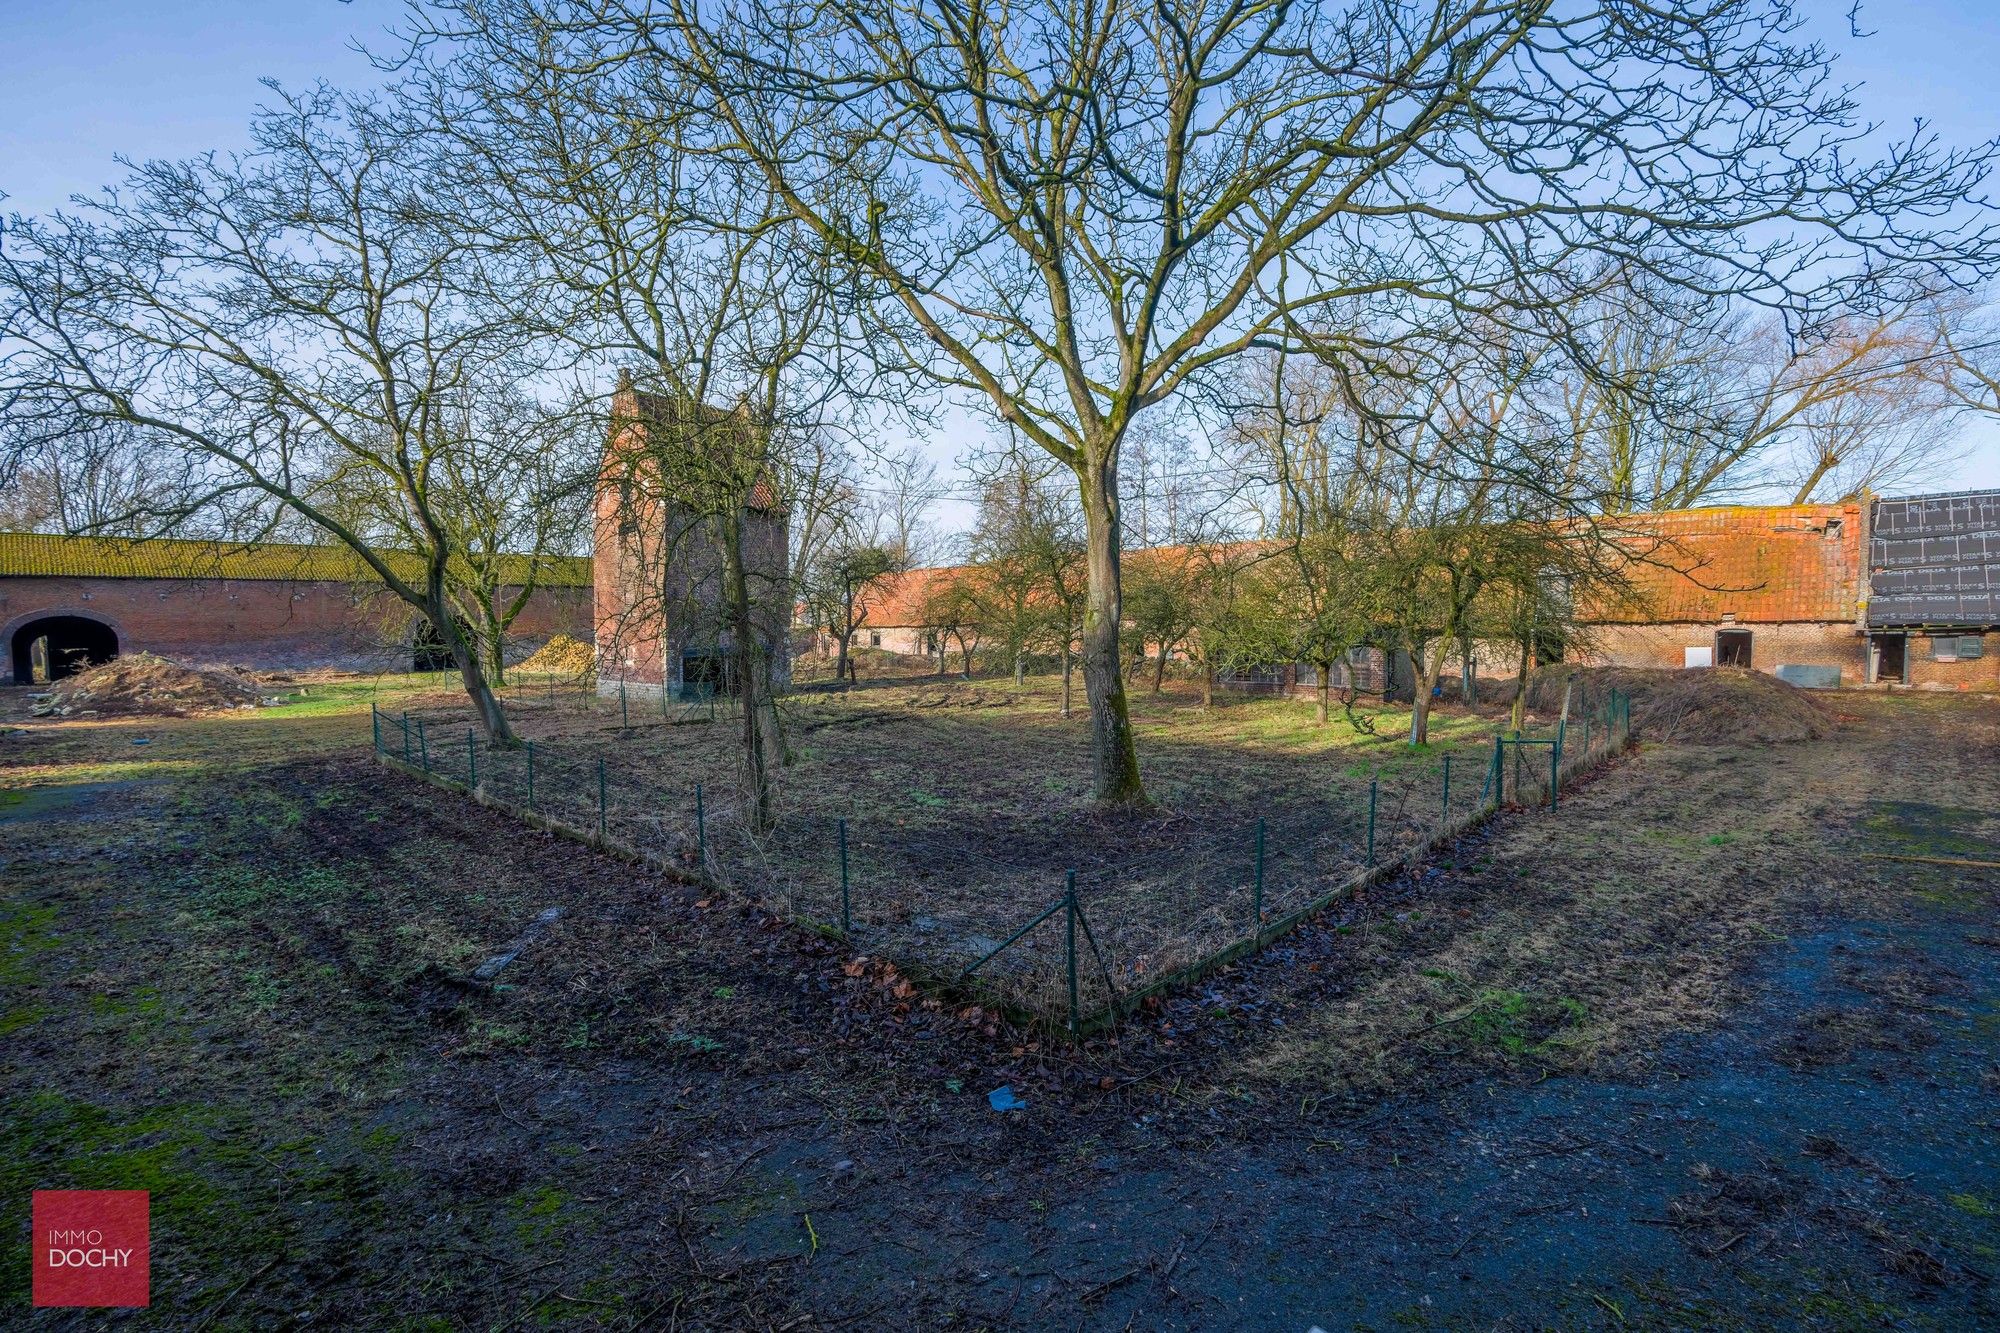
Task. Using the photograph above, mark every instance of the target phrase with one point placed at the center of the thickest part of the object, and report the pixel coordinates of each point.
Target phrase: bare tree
(902, 494)
(685, 268)
(1030, 543)
(837, 588)
(1078, 212)
(279, 317)
(954, 609)
(1681, 400)
(108, 480)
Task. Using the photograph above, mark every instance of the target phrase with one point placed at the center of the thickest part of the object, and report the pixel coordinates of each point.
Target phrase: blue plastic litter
(1003, 1099)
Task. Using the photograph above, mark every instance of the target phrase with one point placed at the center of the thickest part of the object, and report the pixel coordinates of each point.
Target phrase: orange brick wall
(261, 623)
(1771, 646)
(1982, 673)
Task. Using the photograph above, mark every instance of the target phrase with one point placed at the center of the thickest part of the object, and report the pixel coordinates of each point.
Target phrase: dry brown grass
(1628, 916)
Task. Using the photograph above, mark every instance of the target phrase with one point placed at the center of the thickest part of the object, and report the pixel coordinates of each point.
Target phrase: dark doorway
(1732, 647)
(428, 652)
(57, 646)
(1892, 658)
(704, 674)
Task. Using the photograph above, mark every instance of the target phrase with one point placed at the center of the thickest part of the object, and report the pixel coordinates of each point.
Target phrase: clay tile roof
(896, 601)
(1766, 564)
(45, 555)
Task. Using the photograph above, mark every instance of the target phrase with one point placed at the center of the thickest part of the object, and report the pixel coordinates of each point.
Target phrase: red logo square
(93, 1247)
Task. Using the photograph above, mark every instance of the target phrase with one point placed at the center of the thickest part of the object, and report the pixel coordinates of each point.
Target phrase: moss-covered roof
(45, 555)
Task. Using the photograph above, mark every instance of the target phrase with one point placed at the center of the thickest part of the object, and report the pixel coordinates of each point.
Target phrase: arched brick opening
(56, 646)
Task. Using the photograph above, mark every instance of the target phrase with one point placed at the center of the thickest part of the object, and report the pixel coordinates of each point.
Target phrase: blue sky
(86, 81)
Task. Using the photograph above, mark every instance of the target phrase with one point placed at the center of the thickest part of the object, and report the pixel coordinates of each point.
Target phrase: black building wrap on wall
(1935, 560)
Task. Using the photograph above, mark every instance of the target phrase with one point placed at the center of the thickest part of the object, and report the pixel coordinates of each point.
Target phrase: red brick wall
(1980, 673)
(261, 623)
(1771, 646)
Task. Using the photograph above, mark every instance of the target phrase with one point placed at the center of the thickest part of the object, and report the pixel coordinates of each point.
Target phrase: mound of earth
(143, 685)
(562, 656)
(1701, 706)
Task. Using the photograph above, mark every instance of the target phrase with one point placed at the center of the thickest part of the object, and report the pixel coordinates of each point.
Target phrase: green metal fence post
(624, 713)
(471, 761)
(700, 826)
(1069, 905)
(423, 746)
(531, 773)
(1257, 891)
(1447, 787)
(846, 910)
(1374, 790)
(406, 737)
(600, 797)
(375, 721)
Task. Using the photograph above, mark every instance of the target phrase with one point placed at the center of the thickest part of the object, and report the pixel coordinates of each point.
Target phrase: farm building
(1934, 590)
(68, 602)
(1767, 587)
(1888, 592)
(661, 622)
(1897, 592)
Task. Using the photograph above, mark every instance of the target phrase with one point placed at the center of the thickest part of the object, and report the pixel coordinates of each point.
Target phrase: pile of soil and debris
(148, 686)
(562, 656)
(1701, 706)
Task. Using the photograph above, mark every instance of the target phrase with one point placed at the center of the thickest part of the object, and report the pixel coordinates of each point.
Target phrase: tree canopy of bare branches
(1072, 215)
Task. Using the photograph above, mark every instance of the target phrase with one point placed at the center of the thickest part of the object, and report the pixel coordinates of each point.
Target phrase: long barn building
(1885, 592)
(66, 602)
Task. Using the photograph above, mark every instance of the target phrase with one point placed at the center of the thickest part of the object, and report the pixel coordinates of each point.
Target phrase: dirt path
(1677, 1056)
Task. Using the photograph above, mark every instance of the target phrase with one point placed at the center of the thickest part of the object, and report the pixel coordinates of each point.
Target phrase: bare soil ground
(965, 809)
(1680, 1055)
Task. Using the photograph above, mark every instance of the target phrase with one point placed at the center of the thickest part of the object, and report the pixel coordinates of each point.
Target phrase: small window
(875, 639)
(1971, 647)
(1944, 648)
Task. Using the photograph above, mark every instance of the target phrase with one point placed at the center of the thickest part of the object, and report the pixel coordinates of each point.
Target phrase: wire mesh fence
(1073, 942)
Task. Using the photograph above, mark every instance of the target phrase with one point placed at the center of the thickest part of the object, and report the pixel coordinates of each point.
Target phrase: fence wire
(1070, 943)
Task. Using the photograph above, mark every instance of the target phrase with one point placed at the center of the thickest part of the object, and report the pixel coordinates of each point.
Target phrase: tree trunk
(1520, 715)
(1066, 686)
(1426, 683)
(1325, 690)
(840, 662)
(1020, 666)
(1115, 755)
(486, 708)
(763, 747)
(1207, 684)
(1468, 684)
(965, 649)
(1160, 670)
